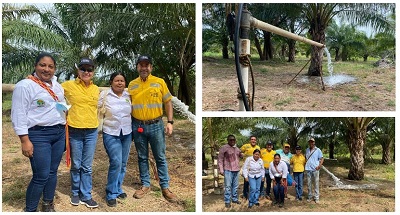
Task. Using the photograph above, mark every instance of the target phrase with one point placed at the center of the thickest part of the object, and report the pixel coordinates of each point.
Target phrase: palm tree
(383, 132)
(356, 133)
(319, 15)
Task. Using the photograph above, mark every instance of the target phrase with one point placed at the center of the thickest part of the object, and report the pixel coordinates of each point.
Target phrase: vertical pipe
(244, 50)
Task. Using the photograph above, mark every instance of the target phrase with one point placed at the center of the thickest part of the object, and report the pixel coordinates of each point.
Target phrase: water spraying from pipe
(183, 109)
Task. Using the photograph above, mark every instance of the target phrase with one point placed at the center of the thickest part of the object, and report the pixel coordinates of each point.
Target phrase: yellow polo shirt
(267, 157)
(299, 162)
(248, 149)
(83, 101)
(148, 97)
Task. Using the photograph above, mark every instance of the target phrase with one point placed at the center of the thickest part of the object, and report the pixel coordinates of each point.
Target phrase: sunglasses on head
(86, 70)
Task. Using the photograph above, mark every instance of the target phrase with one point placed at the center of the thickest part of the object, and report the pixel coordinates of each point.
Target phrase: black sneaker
(227, 205)
(112, 203)
(236, 202)
(122, 196)
(280, 205)
(48, 206)
(75, 200)
(90, 203)
(257, 204)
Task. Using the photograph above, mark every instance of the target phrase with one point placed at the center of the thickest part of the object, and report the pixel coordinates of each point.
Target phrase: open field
(373, 90)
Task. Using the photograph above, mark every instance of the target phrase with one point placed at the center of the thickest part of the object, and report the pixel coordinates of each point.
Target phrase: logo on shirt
(127, 100)
(40, 103)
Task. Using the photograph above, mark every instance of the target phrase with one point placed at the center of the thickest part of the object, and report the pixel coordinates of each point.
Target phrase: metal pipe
(273, 29)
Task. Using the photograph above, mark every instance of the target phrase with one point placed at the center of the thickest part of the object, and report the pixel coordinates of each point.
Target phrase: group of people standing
(266, 166)
(45, 115)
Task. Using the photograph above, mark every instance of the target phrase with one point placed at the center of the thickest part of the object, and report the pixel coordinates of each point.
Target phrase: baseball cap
(269, 143)
(86, 61)
(143, 58)
(311, 139)
(298, 147)
(286, 145)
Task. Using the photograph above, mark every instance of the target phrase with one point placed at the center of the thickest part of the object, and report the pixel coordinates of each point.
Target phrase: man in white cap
(314, 161)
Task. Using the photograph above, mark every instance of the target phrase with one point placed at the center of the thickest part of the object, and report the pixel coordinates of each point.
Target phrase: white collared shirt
(281, 168)
(253, 168)
(118, 113)
(32, 105)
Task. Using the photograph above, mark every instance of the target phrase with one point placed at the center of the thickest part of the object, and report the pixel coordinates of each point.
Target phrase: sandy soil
(16, 174)
(374, 89)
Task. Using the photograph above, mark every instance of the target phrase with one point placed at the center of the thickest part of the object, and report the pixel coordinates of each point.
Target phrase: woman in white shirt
(254, 173)
(39, 122)
(117, 131)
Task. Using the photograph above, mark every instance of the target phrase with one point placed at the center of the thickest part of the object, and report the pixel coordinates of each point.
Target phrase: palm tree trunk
(386, 159)
(258, 47)
(292, 51)
(356, 145)
(225, 43)
(317, 32)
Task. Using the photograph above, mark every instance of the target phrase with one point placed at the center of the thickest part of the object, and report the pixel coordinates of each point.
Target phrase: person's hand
(27, 148)
(246, 179)
(168, 129)
(274, 182)
(318, 167)
(221, 173)
(262, 179)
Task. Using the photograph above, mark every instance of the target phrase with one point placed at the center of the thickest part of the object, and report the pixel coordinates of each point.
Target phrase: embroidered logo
(40, 103)
(127, 100)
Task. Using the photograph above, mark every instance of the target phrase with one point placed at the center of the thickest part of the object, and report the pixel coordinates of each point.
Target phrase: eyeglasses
(252, 139)
(86, 70)
(231, 140)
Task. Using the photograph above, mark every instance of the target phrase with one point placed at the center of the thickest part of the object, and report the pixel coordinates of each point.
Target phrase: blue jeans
(298, 178)
(83, 144)
(279, 193)
(48, 145)
(117, 148)
(231, 182)
(254, 190)
(154, 135)
(268, 180)
(313, 178)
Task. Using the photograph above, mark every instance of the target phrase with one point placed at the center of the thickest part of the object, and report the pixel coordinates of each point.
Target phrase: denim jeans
(279, 193)
(48, 145)
(154, 135)
(268, 180)
(117, 148)
(83, 144)
(254, 190)
(298, 178)
(231, 182)
(313, 178)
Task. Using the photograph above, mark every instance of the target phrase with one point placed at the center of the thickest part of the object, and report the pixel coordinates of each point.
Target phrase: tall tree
(319, 15)
(383, 132)
(357, 132)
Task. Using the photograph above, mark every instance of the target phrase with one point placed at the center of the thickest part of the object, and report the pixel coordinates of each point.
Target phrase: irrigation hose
(238, 72)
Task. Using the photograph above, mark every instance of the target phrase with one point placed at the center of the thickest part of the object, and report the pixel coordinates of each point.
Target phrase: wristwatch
(170, 122)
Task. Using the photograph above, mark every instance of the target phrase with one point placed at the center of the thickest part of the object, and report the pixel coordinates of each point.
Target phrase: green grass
(284, 101)
(15, 191)
(391, 103)
(190, 205)
(389, 87)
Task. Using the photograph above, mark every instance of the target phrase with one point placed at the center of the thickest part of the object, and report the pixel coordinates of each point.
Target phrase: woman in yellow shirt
(299, 162)
(82, 121)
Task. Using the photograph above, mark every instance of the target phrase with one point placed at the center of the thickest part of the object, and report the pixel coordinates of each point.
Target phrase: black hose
(239, 73)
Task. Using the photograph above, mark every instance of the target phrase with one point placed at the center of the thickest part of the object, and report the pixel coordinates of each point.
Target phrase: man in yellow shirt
(148, 94)
(267, 155)
(299, 162)
(247, 150)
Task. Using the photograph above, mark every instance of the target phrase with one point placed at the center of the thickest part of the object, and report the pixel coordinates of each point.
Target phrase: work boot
(141, 192)
(168, 195)
(48, 206)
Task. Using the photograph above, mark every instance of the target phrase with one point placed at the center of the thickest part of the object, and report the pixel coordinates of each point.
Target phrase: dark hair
(256, 150)
(277, 155)
(42, 55)
(115, 74)
(253, 136)
(231, 135)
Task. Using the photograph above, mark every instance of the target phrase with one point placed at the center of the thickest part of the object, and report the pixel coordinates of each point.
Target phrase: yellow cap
(286, 145)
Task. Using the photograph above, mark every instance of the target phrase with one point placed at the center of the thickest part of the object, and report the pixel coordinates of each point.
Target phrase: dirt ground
(373, 90)
(16, 174)
(381, 199)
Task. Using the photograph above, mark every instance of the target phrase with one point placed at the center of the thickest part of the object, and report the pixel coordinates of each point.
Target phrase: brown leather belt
(148, 122)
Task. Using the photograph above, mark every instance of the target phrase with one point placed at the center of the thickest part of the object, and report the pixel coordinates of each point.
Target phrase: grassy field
(373, 90)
